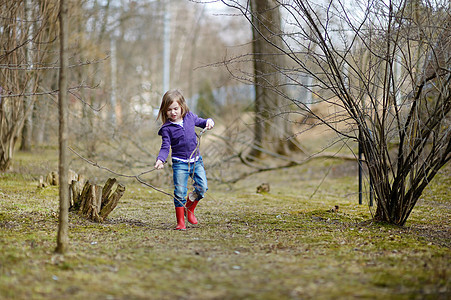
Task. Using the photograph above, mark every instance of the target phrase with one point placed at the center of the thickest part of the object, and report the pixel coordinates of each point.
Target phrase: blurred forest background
(117, 60)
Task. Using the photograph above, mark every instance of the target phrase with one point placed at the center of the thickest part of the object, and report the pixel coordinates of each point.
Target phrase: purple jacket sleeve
(199, 122)
(165, 145)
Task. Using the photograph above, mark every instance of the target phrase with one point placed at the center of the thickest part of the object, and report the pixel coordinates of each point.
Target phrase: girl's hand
(210, 124)
(159, 165)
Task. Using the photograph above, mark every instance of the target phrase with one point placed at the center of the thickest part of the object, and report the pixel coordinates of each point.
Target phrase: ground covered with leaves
(289, 243)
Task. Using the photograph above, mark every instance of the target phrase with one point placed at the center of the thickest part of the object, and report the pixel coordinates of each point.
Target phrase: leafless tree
(385, 67)
(63, 236)
(23, 52)
(272, 130)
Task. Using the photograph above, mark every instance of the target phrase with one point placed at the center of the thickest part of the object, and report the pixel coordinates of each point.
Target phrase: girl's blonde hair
(168, 98)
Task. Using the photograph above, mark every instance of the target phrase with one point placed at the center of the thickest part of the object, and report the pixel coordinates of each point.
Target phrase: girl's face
(174, 112)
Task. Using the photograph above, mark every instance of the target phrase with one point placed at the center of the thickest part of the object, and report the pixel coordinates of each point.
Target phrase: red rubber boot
(180, 214)
(190, 206)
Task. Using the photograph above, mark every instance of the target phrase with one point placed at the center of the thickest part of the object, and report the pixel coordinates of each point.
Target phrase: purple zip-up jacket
(182, 140)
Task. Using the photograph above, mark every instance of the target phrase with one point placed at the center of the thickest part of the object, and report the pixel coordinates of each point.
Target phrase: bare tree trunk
(272, 130)
(28, 101)
(25, 144)
(62, 239)
(40, 120)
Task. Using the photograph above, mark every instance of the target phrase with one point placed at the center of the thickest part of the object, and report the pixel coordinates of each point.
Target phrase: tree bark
(272, 130)
(62, 238)
(112, 202)
(94, 201)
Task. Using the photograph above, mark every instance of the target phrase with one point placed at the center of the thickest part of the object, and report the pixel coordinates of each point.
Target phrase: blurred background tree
(206, 103)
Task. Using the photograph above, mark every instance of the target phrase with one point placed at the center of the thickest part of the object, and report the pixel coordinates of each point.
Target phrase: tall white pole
(113, 82)
(28, 100)
(166, 47)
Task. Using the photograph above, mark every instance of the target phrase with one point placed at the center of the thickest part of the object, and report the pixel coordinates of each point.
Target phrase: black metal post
(371, 192)
(360, 167)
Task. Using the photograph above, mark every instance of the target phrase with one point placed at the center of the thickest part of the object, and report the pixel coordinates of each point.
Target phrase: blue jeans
(181, 172)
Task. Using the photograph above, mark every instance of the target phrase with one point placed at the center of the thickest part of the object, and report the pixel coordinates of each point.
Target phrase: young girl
(177, 133)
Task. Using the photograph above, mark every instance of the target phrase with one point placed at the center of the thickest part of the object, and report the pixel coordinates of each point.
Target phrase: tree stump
(52, 178)
(94, 201)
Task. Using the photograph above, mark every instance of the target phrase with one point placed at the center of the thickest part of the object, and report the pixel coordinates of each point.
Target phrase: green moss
(284, 244)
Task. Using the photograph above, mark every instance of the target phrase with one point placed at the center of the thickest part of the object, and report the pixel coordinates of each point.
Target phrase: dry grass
(285, 244)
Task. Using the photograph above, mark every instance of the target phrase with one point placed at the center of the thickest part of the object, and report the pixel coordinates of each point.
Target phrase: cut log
(52, 178)
(107, 188)
(75, 189)
(49, 179)
(83, 196)
(55, 178)
(97, 199)
(94, 201)
(112, 202)
(91, 204)
(42, 183)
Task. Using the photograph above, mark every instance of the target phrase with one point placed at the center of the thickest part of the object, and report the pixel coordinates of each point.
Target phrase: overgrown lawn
(285, 244)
